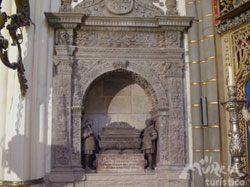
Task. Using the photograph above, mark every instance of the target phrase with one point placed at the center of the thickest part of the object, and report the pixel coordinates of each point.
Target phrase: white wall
(25, 124)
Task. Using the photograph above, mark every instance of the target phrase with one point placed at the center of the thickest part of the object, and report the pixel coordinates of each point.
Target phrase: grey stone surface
(119, 136)
(120, 163)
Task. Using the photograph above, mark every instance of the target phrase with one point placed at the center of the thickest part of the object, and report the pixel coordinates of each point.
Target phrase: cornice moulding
(58, 20)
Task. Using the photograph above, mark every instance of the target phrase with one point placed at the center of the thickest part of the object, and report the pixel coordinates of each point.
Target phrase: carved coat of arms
(119, 6)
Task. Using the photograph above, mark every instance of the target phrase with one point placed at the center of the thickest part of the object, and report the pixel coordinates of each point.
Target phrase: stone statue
(171, 7)
(89, 144)
(149, 136)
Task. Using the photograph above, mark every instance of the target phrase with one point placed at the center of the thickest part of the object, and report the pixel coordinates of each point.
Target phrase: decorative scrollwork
(18, 20)
(228, 5)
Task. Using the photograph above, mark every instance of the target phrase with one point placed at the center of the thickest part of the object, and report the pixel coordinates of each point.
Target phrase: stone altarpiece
(102, 37)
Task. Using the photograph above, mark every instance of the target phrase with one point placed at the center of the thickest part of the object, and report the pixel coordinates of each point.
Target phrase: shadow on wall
(15, 164)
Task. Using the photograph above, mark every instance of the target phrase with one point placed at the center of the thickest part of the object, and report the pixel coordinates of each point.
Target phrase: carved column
(161, 118)
(171, 123)
(67, 119)
(176, 123)
(62, 114)
(76, 137)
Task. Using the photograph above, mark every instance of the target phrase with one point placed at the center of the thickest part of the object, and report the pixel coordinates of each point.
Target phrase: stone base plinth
(120, 163)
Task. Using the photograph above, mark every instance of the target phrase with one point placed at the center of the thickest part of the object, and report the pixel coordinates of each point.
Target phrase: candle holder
(237, 146)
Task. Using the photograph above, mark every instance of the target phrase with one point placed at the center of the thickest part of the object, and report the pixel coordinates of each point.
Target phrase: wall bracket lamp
(18, 20)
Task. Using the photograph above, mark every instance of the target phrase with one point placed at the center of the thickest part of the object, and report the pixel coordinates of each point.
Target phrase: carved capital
(77, 111)
(64, 20)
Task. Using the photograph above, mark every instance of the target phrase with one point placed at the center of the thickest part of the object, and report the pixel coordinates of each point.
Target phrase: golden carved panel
(240, 44)
(240, 39)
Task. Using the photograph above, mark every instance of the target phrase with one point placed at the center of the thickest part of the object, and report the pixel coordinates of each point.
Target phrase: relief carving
(119, 6)
(163, 139)
(62, 155)
(172, 39)
(177, 138)
(120, 39)
(121, 64)
(174, 69)
(132, 8)
(64, 36)
(111, 43)
(171, 7)
(63, 66)
(87, 70)
(176, 126)
(65, 5)
(76, 135)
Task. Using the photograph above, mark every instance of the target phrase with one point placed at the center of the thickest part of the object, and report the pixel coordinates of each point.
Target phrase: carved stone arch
(139, 74)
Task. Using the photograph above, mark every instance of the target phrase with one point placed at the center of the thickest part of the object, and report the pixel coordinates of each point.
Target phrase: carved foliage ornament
(234, 22)
(226, 6)
(124, 39)
(144, 8)
(18, 20)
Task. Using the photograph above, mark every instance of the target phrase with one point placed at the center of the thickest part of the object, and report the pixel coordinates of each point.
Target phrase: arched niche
(118, 96)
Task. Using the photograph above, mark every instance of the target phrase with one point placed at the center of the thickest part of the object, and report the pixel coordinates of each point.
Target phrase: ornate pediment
(130, 8)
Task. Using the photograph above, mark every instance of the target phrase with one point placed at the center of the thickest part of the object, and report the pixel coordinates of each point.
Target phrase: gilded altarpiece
(96, 38)
(236, 53)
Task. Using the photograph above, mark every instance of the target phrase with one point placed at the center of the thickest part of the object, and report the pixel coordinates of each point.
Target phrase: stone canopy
(99, 37)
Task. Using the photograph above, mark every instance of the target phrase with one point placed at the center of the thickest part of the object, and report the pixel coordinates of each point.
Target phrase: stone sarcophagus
(119, 137)
(120, 149)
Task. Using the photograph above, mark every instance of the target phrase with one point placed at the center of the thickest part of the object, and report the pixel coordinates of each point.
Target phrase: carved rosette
(172, 39)
(64, 36)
